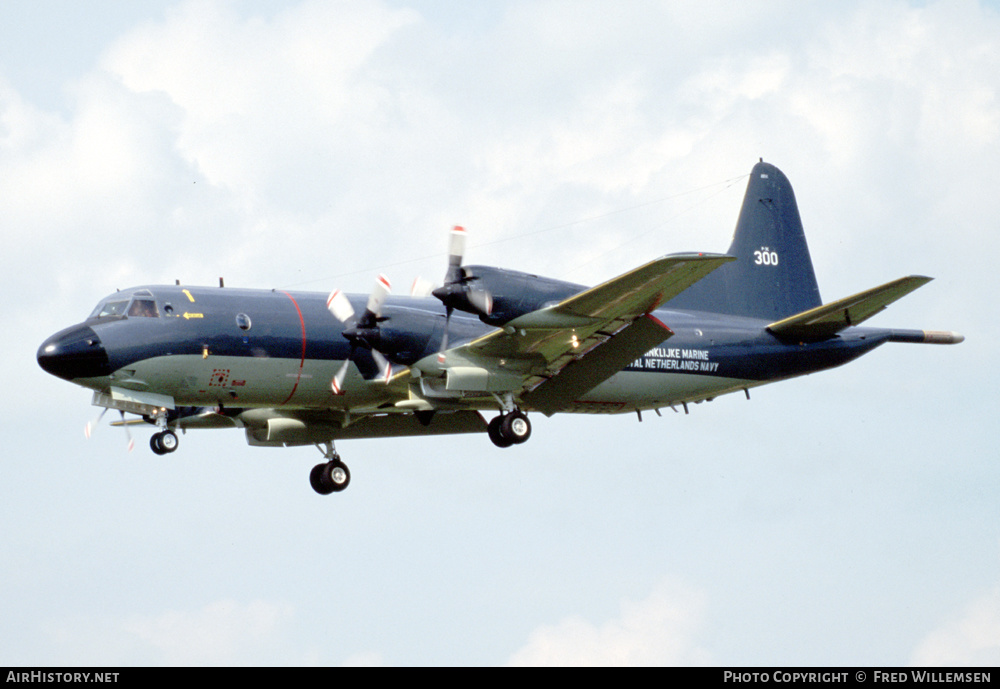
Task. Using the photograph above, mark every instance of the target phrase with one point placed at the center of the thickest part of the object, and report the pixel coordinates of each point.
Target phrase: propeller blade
(337, 383)
(340, 306)
(421, 287)
(482, 300)
(384, 367)
(444, 336)
(456, 250)
(92, 425)
(378, 295)
(128, 433)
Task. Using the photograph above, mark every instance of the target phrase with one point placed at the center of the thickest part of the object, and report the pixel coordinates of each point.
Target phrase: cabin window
(243, 321)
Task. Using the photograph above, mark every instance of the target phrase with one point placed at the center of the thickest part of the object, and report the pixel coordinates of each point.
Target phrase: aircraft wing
(827, 320)
(554, 354)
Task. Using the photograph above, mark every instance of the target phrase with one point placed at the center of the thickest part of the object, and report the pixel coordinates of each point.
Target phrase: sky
(845, 518)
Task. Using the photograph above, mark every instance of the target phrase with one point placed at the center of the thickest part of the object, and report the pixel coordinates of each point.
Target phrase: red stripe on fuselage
(302, 360)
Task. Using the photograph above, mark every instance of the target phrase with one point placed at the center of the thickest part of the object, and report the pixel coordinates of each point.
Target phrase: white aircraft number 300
(765, 257)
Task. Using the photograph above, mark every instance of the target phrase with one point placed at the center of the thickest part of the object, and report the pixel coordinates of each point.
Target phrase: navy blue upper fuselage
(297, 325)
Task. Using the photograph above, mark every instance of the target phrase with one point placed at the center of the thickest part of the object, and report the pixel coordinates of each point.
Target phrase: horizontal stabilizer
(826, 321)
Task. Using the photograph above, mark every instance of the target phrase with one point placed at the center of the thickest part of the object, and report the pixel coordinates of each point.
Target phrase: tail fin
(772, 277)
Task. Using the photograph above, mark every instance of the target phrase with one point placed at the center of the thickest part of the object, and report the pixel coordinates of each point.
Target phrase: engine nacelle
(515, 293)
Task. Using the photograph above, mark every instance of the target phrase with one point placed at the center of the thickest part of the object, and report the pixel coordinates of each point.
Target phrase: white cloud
(931, 70)
(661, 629)
(224, 632)
(262, 98)
(972, 639)
(221, 633)
(318, 123)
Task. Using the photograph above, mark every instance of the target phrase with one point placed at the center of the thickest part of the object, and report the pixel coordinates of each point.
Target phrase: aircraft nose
(76, 352)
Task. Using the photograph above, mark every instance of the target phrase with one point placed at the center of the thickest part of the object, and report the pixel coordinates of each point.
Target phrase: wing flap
(550, 394)
(827, 320)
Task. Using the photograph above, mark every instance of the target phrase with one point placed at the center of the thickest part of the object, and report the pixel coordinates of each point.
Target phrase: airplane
(301, 368)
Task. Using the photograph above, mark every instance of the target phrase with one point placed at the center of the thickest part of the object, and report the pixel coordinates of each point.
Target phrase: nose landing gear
(163, 442)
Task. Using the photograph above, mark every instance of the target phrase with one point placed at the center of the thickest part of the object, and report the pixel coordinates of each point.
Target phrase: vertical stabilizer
(772, 277)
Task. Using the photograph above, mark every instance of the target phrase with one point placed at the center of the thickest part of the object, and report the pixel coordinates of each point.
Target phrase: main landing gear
(332, 476)
(511, 428)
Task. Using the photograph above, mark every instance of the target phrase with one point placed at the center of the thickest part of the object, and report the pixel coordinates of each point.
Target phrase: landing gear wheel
(336, 474)
(509, 429)
(516, 427)
(316, 479)
(168, 441)
(496, 433)
(163, 442)
(330, 477)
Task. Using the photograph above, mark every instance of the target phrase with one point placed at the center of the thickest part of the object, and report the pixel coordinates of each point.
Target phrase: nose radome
(76, 352)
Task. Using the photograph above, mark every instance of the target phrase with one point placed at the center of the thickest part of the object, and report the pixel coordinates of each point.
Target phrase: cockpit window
(138, 307)
(144, 308)
(112, 307)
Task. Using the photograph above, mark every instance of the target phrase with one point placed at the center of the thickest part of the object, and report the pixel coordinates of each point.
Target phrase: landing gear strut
(511, 428)
(331, 476)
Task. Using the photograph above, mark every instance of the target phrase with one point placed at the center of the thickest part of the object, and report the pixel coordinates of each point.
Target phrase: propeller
(460, 290)
(361, 332)
(422, 287)
(92, 426)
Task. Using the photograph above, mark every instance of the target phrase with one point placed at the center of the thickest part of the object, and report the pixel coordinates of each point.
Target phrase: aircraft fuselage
(270, 348)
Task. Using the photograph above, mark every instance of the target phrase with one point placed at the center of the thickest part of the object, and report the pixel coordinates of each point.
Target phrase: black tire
(155, 446)
(516, 427)
(316, 479)
(493, 429)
